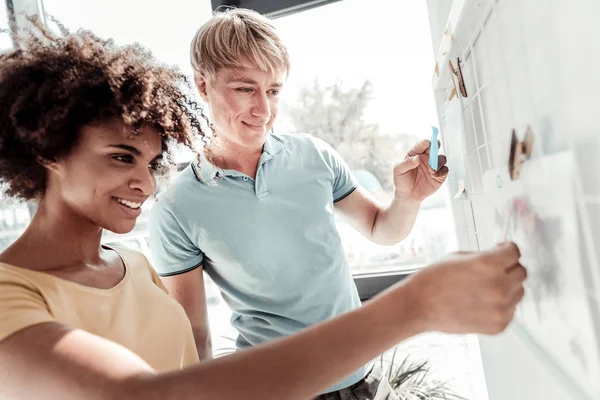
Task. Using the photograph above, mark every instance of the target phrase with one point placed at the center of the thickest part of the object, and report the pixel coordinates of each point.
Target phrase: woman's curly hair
(53, 84)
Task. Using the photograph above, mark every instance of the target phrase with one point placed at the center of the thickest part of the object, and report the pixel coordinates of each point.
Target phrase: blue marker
(433, 150)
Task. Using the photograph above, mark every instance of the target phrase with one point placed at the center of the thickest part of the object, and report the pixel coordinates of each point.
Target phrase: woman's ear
(201, 85)
(49, 164)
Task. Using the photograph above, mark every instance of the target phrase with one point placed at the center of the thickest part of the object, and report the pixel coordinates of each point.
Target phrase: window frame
(272, 8)
(371, 284)
(16, 10)
(10, 14)
(368, 284)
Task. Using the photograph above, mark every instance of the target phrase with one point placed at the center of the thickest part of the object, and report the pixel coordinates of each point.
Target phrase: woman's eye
(245, 90)
(124, 158)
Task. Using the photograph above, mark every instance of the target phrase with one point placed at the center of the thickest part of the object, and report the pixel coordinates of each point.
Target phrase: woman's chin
(121, 228)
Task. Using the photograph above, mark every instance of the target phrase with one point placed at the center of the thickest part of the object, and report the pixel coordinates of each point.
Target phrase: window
(382, 76)
(5, 41)
(167, 32)
(376, 56)
(14, 215)
(361, 80)
(166, 29)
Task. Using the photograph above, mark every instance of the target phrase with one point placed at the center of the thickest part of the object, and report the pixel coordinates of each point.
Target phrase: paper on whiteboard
(556, 311)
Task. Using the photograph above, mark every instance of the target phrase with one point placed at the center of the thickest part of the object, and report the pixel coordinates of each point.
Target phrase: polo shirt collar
(207, 172)
(273, 144)
(204, 170)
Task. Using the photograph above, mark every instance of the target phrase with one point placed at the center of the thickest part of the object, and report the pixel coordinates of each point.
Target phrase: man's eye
(155, 166)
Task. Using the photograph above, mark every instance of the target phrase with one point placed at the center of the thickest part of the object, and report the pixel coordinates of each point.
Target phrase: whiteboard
(527, 64)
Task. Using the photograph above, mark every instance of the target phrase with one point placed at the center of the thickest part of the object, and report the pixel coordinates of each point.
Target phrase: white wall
(512, 371)
(526, 62)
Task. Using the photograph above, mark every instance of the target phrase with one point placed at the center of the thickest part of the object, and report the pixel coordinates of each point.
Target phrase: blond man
(256, 209)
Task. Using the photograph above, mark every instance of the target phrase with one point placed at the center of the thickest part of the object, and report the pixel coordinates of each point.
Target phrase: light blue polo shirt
(270, 244)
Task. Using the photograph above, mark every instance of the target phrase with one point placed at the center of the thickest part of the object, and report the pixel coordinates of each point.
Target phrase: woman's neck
(56, 237)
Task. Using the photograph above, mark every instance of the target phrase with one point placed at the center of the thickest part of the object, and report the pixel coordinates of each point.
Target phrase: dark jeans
(374, 386)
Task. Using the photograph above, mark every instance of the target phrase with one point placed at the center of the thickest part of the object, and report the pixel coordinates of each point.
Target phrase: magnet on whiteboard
(461, 188)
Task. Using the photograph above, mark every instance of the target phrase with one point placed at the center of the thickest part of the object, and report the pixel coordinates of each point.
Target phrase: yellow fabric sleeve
(21, 304)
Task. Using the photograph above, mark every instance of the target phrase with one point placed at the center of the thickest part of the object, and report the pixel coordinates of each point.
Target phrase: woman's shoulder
(129, 256)
(138, 264)
(11, 274)
(22, 302)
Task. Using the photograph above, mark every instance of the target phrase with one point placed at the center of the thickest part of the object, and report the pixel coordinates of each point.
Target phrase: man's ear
(201, 85)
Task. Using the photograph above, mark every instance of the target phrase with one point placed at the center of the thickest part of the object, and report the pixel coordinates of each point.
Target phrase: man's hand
(414, 178)
(468, 292)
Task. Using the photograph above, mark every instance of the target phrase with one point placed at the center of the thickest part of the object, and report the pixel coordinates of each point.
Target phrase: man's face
(243, 103)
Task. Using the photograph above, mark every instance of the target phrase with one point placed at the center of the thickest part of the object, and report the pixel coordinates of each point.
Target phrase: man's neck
(229, 155)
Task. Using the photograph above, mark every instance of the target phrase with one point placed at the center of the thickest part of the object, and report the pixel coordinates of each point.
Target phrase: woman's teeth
(130, 204)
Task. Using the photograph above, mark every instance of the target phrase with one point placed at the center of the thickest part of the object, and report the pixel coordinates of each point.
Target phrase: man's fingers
(428, 150)
(421, 147)
(442, 160)
(441, 173)
(409, 164)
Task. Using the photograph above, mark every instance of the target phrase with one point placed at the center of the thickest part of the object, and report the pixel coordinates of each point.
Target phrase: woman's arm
(465, 293)
(50, 361)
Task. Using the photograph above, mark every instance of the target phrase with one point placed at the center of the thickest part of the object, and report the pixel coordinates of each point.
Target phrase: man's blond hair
(238, 38)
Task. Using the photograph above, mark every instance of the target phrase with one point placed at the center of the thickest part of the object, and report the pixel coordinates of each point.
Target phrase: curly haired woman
(84, 125)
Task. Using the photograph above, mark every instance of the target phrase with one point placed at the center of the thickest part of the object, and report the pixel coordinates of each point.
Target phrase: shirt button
(245, 179)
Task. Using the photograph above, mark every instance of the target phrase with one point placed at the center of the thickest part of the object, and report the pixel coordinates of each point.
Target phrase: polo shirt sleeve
(344, 181)
(21, 304)
(173, 252)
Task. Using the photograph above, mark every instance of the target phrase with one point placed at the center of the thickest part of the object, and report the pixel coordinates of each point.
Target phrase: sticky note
(433, 149)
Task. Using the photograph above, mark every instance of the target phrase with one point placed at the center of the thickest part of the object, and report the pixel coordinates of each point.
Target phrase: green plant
(413, 380)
